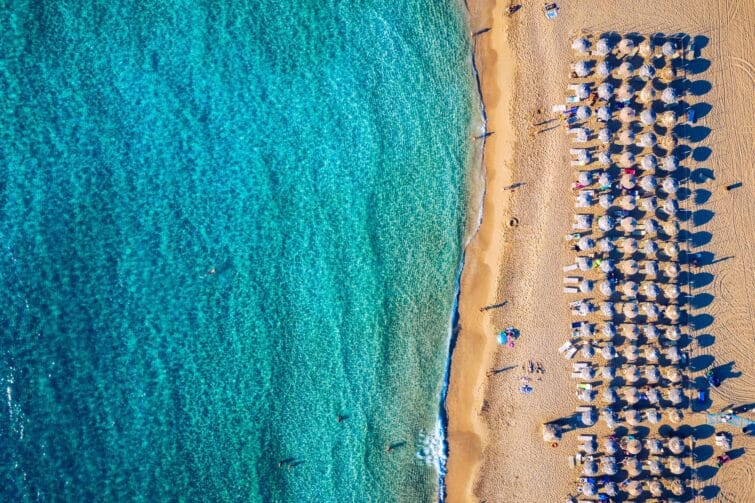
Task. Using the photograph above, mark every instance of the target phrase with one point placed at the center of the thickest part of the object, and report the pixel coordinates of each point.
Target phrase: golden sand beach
(513, 272)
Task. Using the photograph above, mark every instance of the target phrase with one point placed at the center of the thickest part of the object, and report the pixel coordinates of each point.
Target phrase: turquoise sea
(314, 155)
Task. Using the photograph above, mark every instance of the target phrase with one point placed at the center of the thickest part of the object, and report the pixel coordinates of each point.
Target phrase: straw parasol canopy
(677, 487)
(630, 310)
(675, 415)
(584, 200)
(674, 375)
(668, 118)
(583, 113)
(651, 268)
(647, 94)
(647, 72)
(633, 446)
(647, 140)
(609, 416)
(669, 141)
(605, 91)
(652, 332)
(650, 247)
(669, 96)
(628, 224)
(631, 373)
(607, 372)
(653, 396)
(669, 49)
(646, 48)
(676, 465)
(604, 136)
(651, 226)
(673, 333)
(670, 163)
(605, 223)
(624, 93)
(671, 206)
(634, 418)
(629, 289)
(630, 331)
(627, 114)
(584, 178)
(647, 117)
(585, 243)
(655, 488)
(611, 489)
(648, 182)
(581, 45)
(590, 469)
(608, 352)
(649, 204)
(606, 265)
(588, 418)
(670, 185)
(626, 46)
(671, 269)
(604, 157)
(584, 263)
(653, 416)
(603, 69)
(651, 354)
(608, 465)
(587, 351)
(626, 136)
(629, 266)
(582, 69)
(671, 249)
(583, 222)
(671, 291)
(609, 395)
(649, 162)
(675, 395)
(627, 159)
(628, 202)
(631, 353)
(672, 312)
(667, 74)
(625, 70)
(672, 353)
(651, 310)
(652, 374)
(634, 468)
(655, 467)
(551, 432)
(602, 48)
(605, 245)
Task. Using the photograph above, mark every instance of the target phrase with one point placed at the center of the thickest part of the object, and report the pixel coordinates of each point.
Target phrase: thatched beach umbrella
(649, 204)
(667, 74)
(670, 163)
(626, 161)
(651, 310)
(630, 330)
(650, 247)
(624, 93)
(582, 91)
(655, 488)
(651, 354)
(672, 353)
(673, 333)
(652, 374)
(646, 48)
(609, 416)
(670, 185)
(671, 270)
(653, 416)
(605, 223)
(651, 332)
(610, 446)
(675, 395)
(647, 72)
(647, 94)
(674, 375)
(628, 181)
(671, 291)
(669, 118)
(629, 245)
(628, 224)
(584, 263)
(633, 445)
(605, 91)
(626, 46)
(628, 202)
(629, 266)
(634, 468)
(651, 226)
(653, 396)
(626, 136)
(602, 48)
(606, 265)
(677, 487)
(669, 142)
(655, 467)
(675, 415)
(631, 373)
(629, 288)
(651, 290)
(649, 162)
(671, 249)
(586, 329)
(625, 71)
(631, 353)
(630, 310)
(585, 243)
(604, 136)
(609, 330)
(672, 313)
(647, 117)
(671, 206)
(647, 140)
(648, 183)
(605, 288)
(627, 114)
(603, 70)
(551, 432)
(669, 96)
(581, 45)
(582, 68)
(587, 373)
(676, 465)
(609, 395)
(605, 245)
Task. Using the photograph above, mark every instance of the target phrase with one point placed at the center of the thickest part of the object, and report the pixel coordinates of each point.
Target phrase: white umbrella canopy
(588, 351)
(590, 469)
(605, 201)
(609, 329)
(649, 162)
(651, 310)
(653, 396)
(671, 227)
(581, 134)
(671, 270)
(649, 204)
(583, 222)
(675, 415)
(551, 432)
(651, 290)
(634, 487)
(627, 114)
(652, 332)
(603, 113)
(647, 117)
(668, 118)
(583, 113)
(647, 94)
(629, 266)
(629, 289)
(582, 69)
(582, 308)
(651, 354)
(672, 312)
(584, 178)
(588, 488)
(669, 96)
(676, 466)
(633, 446)
(581, 45)
(631, 374)
(604, 158)
(631, 353)
(652, 374)
(628, 202)
(672, 353)
(677, 487)
(628, 224)
(605, 91)
(608, 352)
(584, 200)
(606, 223)
(671, 291)
(607, 309)
(670, 185)
(676, 445)
(604, 136)
(670, 163)
(606, 266)
(605, 179)
(587, 373)
(607, 371)
(648, 182)
(609, 396)
(584, 263)
(603, 69)
(585, 243)
(624, 93)
(646, 48)
(609, 416)
(626, 46)
(669, 49)
(608, 466)
(654, 466)
(626, 136)
(647, 72)
(650, 247)
(675, 395)
(605, 245)
(667, 74)
(586, 286)
(631, 395)
(625, 70)
(582, 91)
(647, 140)
(651, 226)
(673, 333)
(602, 48)
(671, 249)
(627, 159)
(628, 245)
(671, 206)
(633, 418)
(654, 446)
(628, 181)
(588, 418)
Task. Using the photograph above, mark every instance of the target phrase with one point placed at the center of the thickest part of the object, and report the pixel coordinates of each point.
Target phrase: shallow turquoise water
(314, 154)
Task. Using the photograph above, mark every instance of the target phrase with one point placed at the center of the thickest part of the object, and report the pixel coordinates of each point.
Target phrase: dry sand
(495, 446)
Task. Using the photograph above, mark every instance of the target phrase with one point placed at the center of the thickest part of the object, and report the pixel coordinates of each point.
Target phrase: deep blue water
(314, 155)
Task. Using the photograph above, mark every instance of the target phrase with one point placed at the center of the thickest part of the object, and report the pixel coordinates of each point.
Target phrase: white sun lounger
(578, 163)
(571, 267)
(571, 289)
(569, 354)
(576, 375)
(579, 365)
(571, 280)
(557, 109)
(586, 438)
(565, 347)
(584, 408)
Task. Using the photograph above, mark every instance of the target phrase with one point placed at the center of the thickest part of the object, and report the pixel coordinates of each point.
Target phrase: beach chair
(586, 438)
(571, 267)
(579, 366)
(571, 280)
(558, 109)
(570, 353)
(571, 289)
(551, 10)
(565, 347)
